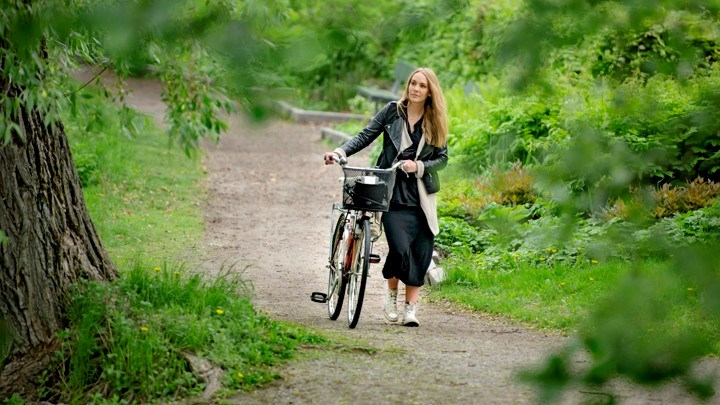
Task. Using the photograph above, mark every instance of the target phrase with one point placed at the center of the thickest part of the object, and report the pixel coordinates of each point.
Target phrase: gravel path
(268, 214)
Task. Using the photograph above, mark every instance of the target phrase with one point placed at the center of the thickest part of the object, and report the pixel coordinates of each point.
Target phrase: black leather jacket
(388, 122)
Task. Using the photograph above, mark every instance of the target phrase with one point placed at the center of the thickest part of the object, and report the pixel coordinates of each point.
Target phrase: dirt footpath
(268, 213)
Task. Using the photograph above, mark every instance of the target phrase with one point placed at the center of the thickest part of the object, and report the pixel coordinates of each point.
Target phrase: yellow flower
(177, 273)
(562, 283)
(240, 375)
(219, 311)
(548, 249)
(144, 329)
(157, 269)
(593, 261)
(554, 250)
(542, 259)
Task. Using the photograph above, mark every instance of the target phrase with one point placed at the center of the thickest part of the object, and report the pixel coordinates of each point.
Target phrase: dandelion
(542, 259)
(553, 250)
(240, 375)
(177, 273)
(144, 329)
(548, 250)
(157, 268)
(562, 283)
(219, 311)
(593, 261)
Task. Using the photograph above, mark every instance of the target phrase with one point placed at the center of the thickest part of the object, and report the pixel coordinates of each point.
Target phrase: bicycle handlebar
(396, 165)
(343, 161)
(339, 159)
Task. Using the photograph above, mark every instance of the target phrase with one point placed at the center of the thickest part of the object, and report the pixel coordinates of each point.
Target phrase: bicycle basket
(367, 189)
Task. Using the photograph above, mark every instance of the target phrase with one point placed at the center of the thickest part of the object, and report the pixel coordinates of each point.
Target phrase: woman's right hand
(329, 158)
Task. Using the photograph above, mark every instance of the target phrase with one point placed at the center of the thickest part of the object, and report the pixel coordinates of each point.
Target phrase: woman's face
(418, 89)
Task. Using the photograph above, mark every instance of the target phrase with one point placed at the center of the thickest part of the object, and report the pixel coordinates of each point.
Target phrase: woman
(415, 129)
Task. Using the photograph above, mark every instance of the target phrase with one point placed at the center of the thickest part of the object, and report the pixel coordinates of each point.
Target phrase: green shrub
(456, 234)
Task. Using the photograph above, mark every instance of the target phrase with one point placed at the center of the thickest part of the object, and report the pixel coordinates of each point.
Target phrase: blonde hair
(434, 124)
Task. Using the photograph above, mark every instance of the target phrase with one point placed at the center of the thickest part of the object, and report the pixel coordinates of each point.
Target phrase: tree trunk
(52, 244)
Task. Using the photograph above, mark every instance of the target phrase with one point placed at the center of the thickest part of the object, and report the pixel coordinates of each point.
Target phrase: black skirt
(411, 244)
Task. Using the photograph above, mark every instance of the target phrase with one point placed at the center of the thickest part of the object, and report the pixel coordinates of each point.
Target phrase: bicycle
(365, 191)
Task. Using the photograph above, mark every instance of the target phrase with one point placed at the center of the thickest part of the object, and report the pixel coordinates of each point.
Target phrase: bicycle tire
(358, 276)
(336, 282)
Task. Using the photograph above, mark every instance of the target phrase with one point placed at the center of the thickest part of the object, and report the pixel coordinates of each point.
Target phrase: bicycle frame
(350, 228)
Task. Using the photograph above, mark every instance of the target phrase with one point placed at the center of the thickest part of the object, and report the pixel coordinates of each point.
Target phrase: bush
(469, 198)
(696, 194)
(457, 235)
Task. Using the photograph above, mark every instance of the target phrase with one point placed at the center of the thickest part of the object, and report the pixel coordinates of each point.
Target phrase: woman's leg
(390, 309)
(411, 294)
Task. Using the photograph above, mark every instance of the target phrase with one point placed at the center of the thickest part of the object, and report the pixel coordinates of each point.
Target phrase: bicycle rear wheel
(336, 282)
(358, 275)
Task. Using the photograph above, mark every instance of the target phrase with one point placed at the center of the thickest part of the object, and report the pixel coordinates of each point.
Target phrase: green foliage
(196, 106)
(446, 36)
(361, 105)
(669, 36)
(15, 399)
(498, 129)
(120, 332)
(187, 44)
(456, 236)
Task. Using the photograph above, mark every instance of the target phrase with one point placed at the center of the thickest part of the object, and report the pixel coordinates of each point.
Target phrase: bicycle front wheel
(336, 282)
(358, 275)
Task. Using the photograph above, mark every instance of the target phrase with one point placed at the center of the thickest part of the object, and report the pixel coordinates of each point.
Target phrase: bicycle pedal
(318, 297)
(374, 258)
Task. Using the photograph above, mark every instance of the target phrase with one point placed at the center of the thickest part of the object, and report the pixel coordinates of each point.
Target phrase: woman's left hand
(409, 166)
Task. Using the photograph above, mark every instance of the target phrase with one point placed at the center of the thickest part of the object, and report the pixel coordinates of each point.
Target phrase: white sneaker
(410, 319)
(391, 312)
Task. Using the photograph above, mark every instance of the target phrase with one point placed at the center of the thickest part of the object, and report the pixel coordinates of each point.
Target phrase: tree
(47, 240)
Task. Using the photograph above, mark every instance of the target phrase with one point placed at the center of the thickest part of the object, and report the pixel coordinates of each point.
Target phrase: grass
(546, 297)
(121, 331)
(563, 297)
(144, 198)
(143, 194)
